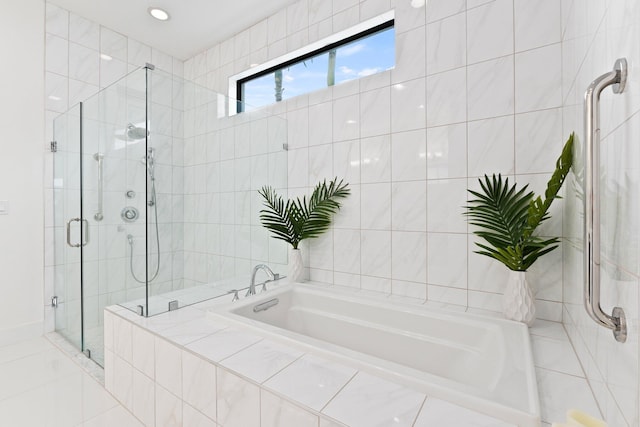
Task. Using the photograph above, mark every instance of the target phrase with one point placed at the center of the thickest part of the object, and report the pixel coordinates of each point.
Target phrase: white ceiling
(194, 24)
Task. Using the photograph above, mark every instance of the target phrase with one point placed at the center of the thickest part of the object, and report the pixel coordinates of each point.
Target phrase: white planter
(296, 267)
(518, 303)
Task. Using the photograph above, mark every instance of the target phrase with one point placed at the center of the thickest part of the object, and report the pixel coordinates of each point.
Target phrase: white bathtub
(482, 363)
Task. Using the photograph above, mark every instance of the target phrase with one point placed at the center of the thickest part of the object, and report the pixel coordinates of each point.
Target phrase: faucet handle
(276, 276)
(236, 297)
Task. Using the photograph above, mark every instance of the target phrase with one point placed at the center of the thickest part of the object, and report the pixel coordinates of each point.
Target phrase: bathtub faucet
(272, 276)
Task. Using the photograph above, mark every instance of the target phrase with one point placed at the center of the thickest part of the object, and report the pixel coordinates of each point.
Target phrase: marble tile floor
(42, 383)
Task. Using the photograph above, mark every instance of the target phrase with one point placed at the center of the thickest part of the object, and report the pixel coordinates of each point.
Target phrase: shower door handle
(85, 232)
(616, 321)
(73, 245)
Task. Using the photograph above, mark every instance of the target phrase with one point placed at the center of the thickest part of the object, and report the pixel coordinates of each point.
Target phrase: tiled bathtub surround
(475, 90)
(184, 368)
(84, 399)
(595, 34)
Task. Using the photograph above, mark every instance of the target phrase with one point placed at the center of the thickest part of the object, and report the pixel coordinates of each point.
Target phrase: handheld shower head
(149, 161)
(130, 239)
(148, 158)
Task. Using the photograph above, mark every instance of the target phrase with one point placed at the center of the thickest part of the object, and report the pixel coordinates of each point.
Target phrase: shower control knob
(130, 194)
(129, 214)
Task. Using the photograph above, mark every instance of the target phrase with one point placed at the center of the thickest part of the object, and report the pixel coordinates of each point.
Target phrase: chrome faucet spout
(252, 285)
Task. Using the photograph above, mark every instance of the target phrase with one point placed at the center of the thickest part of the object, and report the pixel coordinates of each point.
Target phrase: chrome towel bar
(617, 79)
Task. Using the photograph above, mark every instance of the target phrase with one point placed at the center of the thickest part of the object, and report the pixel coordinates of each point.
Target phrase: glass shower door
(113, 147)
(93, 162)
(66, 187)
(100, 200)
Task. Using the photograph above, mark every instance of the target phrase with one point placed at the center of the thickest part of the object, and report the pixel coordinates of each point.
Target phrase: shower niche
(155, 200)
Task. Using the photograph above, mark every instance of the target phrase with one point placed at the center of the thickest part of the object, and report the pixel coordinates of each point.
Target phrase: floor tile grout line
(13, 359)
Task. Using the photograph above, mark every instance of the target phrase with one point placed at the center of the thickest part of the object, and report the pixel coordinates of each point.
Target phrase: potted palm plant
(296, 220)
(507, 219)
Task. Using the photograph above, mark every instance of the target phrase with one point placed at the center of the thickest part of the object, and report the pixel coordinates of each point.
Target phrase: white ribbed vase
(518, 302)
(296, 267)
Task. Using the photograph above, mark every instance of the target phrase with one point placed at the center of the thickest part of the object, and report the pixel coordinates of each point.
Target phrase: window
(362, 54)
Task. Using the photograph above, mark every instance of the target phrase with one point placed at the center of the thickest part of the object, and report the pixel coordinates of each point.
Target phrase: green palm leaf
(302, 219)
(507, 218)
(322, 206)
(539, 210)
(275, 217)
(500, 212)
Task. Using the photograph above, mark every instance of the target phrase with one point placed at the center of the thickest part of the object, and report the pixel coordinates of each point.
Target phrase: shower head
(135, 132)
(130, 239)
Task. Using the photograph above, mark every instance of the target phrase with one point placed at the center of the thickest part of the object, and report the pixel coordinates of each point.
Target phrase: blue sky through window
(360, 58)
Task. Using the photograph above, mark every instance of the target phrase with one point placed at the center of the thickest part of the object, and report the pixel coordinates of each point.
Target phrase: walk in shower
(156, 202)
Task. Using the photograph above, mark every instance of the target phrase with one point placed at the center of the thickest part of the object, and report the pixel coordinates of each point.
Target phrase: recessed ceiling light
(105, 57)
(159, 14)
(418, 3)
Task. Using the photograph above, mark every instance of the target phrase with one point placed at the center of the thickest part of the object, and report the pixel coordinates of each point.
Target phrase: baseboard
(20, 333)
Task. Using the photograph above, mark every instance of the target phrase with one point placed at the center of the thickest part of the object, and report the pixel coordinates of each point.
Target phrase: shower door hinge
(54, 302)
(54, 146)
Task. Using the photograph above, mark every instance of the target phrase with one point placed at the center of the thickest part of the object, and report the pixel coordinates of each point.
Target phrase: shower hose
(155, 210)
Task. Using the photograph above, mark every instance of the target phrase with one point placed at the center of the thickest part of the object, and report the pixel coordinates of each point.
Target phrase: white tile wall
(594, 34)
(225, 161)
(458, 104)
